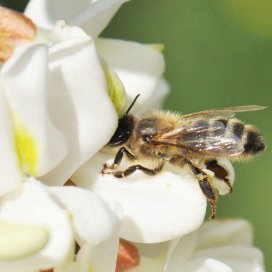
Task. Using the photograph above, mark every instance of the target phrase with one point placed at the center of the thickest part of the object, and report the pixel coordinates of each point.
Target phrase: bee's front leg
(133, 168)
(117, 160)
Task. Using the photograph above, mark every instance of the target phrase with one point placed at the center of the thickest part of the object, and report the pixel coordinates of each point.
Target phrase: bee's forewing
(223, 112)
(209, 137)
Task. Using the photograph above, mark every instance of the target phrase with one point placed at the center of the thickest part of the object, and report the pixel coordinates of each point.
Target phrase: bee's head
(124, 129)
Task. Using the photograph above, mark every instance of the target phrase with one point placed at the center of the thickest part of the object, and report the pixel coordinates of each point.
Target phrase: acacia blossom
(126, 58)
(219, 245)
(50, 144)
(59, 122)
(44, 222)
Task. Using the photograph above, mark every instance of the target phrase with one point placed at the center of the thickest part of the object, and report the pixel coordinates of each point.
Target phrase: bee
(185, 140)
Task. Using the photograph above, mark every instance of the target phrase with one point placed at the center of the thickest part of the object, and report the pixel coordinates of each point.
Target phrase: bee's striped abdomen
(254, 141)
(238, 129)
(251, 138)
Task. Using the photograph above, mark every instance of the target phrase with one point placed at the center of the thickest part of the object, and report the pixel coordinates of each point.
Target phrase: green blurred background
(218, 53)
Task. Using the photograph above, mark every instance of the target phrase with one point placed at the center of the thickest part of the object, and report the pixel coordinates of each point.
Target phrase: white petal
(138, 66)
(15, 240)
(93, 220)
(152, 257)
(63, 32)
(94, 19)
(206, 265)
(150, 265)
(10, 174)
(31, 205)
(99, 258)
(72, 267)
(93, 16)
(153, 250)
(156, 208)
(157, 100)
(116, 91)
(238, 266)
(225, 232)
(77, 86)
(180, 251)
(40, 144)
(238, 258)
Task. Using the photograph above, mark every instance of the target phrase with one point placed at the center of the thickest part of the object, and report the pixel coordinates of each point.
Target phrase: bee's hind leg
(207, 188)
(117, 160)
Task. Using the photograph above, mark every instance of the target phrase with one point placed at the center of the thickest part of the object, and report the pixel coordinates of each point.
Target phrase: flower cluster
(62, 91)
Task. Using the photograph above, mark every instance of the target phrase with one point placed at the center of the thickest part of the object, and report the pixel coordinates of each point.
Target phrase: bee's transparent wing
(209, 137)
(223, 112)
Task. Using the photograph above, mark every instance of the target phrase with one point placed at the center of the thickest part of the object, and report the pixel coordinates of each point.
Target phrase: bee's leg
(133, 168)
(205, 185)
(219, 171)
(117, 160)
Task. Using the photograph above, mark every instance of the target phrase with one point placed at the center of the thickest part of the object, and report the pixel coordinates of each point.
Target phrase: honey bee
(181, 140)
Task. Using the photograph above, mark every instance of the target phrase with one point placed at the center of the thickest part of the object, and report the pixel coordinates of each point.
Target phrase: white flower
(175, 195)
(55, 104)
(53, 98)
(60, 121)
(39, 226)
(92, 16)
(219, 246)
(173, 198)
(139, 66)
(66, 83)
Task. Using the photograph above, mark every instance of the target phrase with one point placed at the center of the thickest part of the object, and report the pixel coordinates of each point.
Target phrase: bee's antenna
(131, 105)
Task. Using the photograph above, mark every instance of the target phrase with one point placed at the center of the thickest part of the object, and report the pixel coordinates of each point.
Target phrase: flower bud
(128, 256)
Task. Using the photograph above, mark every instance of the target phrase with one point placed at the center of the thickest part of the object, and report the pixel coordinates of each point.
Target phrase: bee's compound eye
(123, 131)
